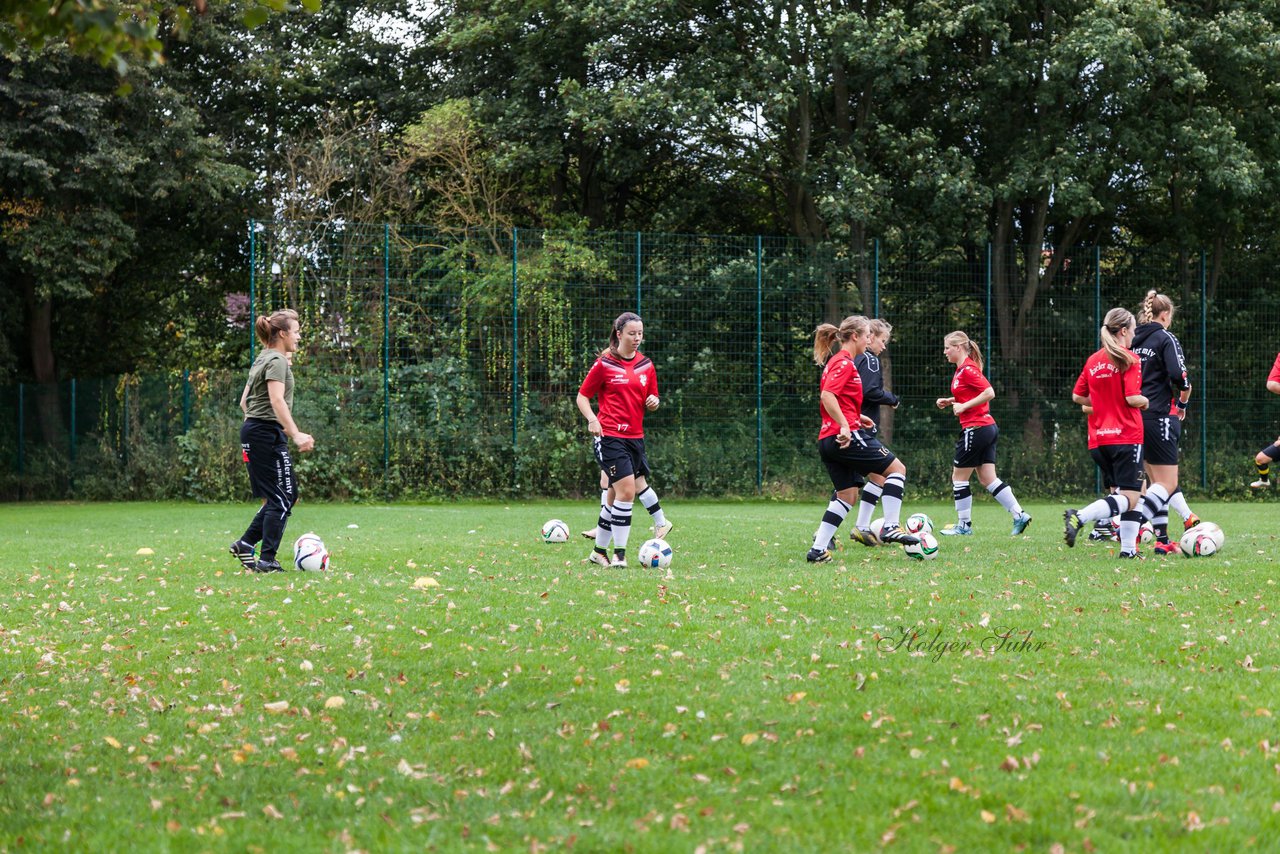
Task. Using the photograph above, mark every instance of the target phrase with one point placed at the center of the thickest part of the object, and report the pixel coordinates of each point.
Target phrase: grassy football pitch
(453, 683)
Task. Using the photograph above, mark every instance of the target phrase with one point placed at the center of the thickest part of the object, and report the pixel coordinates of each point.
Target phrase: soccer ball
(926, 549)
(1214, 532)
(1146, 533)
(1198, 543)
(310, 554)
(655, 554)
(555, 531)
(877, 525)
(919, 523)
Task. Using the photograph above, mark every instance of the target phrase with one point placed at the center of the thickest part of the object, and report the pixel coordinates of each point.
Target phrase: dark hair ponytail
(269, 327)
(615, 334)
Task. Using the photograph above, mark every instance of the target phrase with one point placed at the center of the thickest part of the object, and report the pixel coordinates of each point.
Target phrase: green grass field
(750, 701)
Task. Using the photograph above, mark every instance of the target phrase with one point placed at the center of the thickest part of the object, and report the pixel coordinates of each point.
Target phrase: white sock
(621, 523)
(891, 498)
(1103, 508)
(649, 499)
(1154, 502)
(1178, 502)
(836, 511)
(1001, 492)
(867, 504)
(963, 498)
(604, 528)
(1130, 521)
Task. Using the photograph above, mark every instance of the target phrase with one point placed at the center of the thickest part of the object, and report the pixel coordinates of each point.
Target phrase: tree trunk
(43, 368)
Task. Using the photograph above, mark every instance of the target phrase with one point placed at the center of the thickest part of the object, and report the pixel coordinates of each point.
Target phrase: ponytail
(826, 334)
(968, 343)
(1153, 305)
(615, 333)
(269, 327)
(1116, 321)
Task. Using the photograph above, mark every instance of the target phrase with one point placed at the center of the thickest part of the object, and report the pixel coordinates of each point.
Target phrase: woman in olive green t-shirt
(267, 402)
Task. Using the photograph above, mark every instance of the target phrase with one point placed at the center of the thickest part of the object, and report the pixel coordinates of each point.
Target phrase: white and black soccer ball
(1197, 543)
(1146, 533)
(1212, 530)
(926, 549)
(655, 554)
(555, 531)
(309, 553)
(918, 523)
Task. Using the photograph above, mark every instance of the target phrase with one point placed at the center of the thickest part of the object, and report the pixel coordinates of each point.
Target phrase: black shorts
(1160, 439)
(848, 466)
(1121, 465)
(620, 458)
(977, 447)
(266, 455)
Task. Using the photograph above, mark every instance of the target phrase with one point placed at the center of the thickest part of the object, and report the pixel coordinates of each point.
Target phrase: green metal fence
(438, 363)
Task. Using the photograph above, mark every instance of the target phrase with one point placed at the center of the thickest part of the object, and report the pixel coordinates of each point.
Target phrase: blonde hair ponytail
(825, 335)
(1116, 321)
(1153, 305)
(968, 343)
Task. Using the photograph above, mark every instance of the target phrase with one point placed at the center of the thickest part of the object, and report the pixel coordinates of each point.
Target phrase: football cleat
(1020, 523)
(961, 529)
(818, 556)
(864, 536)
(1104, 531)
(1071, 527)
(1260, 483)
(619, 559)
(1130, 556)
(271, 565)
(590, 535)
(894, 534)
(243, 552)
(1166, 548)
(660, 531)
(1190, 522)
(598, 559)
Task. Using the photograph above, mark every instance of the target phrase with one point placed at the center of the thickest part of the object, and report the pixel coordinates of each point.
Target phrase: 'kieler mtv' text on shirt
(966, 384)
(1113, 421)
(840, 377)
(622, 386)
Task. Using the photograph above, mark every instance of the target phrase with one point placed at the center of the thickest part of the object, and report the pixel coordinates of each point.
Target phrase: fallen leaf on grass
(111, 741)
(750, 738)
(638, 764)
(271, 812)
(426, 581)
(277, 707)
(145, 551)
(988, 817)
(335, 703)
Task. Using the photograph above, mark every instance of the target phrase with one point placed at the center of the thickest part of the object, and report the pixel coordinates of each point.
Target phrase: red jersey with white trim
(1114, 421)
(966, 384)
(622, 386)
(841, 378)
(1274, 376)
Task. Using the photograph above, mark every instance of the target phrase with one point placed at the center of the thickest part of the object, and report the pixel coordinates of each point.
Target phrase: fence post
(386, 352)
(639, 255)
(759, 364)
(515, 339)
(253, 282)
(22, 439)
(186, 401)
(990, 345)
(71, 468)
(875, 277)
(1097, 334)
(1204, 369)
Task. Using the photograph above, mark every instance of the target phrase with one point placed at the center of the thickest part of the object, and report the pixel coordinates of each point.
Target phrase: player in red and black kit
(626, 383)
(1111, 385)
(848, 451)
(1272, 451)
(976, 449)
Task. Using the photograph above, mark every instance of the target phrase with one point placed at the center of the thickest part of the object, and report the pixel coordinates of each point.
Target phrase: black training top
(873, 391)
(1164, 371)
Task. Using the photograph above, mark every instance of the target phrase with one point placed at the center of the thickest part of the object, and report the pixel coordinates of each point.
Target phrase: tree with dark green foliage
(107, 203)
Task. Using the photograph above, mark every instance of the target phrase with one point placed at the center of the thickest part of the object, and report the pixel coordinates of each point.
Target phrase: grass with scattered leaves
(454, 683)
